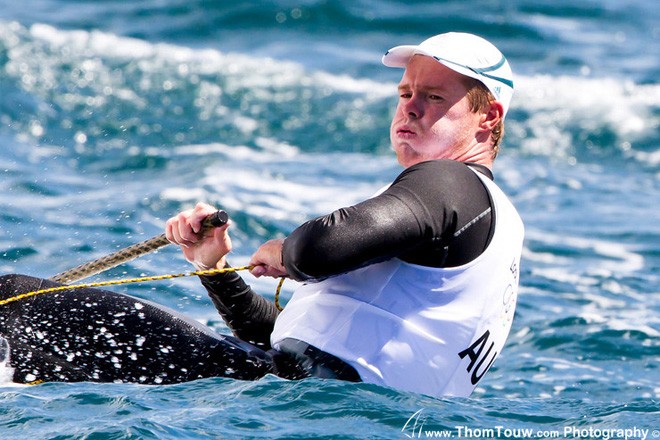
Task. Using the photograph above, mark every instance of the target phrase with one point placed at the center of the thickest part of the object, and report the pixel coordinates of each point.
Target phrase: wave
(581, 118)
(91, 90)
(94, 92)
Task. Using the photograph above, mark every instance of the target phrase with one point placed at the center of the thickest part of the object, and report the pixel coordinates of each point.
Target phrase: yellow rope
(137, 280)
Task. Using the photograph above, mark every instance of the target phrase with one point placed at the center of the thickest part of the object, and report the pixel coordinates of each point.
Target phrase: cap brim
(399, 56)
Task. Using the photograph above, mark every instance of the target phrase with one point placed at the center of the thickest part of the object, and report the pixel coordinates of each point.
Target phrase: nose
(412, 108)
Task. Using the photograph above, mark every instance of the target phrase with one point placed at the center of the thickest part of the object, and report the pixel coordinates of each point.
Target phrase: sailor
(414, 288)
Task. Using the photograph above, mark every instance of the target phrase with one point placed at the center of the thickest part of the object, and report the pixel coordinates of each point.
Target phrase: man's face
(433, 118)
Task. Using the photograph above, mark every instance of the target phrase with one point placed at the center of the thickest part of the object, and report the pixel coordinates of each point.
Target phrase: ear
(492, 116)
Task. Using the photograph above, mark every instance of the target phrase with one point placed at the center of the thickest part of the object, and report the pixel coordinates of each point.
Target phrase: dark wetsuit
(436, 214)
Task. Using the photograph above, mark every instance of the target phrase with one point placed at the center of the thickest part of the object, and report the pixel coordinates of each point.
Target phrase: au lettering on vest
(478, 358)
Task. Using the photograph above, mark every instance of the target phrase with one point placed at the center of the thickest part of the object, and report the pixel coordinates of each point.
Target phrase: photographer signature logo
(415, 425)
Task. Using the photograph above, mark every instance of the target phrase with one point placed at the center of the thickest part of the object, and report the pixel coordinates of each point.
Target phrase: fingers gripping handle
(217, 219)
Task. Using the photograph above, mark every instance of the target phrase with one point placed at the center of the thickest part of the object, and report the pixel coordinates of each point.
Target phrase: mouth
(405, 132)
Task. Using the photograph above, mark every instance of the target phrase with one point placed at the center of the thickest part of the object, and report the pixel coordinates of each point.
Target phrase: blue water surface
(116, 115)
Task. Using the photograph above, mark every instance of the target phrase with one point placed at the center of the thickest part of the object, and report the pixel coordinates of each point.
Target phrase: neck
(480, 154)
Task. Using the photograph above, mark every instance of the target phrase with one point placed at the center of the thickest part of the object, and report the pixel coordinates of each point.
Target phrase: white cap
(466, 54)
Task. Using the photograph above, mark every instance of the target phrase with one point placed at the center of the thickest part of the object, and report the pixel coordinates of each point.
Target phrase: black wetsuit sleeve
(250, 316)
(435, 214)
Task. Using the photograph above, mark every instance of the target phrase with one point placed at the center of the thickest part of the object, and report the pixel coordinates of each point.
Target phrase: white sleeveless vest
(433, 331)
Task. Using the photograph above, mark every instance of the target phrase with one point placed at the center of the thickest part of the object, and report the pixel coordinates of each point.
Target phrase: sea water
(115, 116)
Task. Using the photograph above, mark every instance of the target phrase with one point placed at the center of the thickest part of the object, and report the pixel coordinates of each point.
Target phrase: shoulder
(440, 174)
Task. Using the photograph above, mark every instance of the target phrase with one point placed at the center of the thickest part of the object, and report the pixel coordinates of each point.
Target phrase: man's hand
(203, 251)
(267, 260)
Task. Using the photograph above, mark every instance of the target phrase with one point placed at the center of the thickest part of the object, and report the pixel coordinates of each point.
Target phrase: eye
(405, 95)
(435, 97)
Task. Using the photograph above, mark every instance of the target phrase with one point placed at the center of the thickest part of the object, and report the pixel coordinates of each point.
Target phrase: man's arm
(416, 219)
(250, 316)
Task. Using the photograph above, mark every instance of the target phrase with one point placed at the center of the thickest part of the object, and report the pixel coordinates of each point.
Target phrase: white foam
(554, 106)
(558, 105)
(611, 257)
(270, 185)
(6, 374)
(258, 73)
